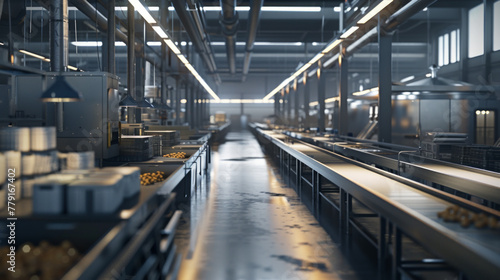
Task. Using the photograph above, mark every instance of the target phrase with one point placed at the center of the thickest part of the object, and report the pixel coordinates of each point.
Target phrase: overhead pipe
(229, 20)
(189, 25)
(111, 37)
(197, 15)
(87, 9)
(254, 18)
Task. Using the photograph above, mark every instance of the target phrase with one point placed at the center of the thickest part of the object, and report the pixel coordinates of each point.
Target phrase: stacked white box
(77, 160)
(94, 195)
(43, 138)
(3, 168)
(48, 194)
(131, 179)
(15, 139)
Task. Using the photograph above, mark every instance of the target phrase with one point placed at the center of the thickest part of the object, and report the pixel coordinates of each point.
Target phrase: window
(449, 48)
(496, 26)
(476, 31)
(485, 127)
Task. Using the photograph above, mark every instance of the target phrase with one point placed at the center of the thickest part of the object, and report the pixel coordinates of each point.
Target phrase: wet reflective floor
(244, 223)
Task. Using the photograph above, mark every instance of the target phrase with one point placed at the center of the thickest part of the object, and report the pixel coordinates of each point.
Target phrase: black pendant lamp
(144, 104)
(128, 101)
(61, 91)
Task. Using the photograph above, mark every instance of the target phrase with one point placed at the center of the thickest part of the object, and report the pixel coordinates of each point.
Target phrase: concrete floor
(243, 223)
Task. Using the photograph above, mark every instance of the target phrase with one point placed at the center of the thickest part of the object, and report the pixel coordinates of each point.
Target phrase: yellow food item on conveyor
(43, 262)
(152, 178)
(179, 155)
(456, 214)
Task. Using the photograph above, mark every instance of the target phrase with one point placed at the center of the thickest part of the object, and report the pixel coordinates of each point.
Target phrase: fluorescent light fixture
(332, 99)
(268, 9)
(35, 55)
(365, 92)
(154, 43)
(407, 79)
(120, 44)
(87, 43)
(1, 44)
(124, 8)
(374, 11)
(183, 59)
(159, 30)
(190, 67)
(312, 73)
(349, 32)
(290, 9)
(315, 58)
(183, 43)
(363, 38)
(428, 75)
(336, 9)
(314, 103)
(244, 101)
(330, 61)
(278, 43)
(143, 11)
(72, 68)
(172, 46)
(331, 46)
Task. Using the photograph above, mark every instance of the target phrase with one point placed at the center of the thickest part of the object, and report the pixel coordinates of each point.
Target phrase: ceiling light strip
(142, 10)
(373, 12)
(304, 68)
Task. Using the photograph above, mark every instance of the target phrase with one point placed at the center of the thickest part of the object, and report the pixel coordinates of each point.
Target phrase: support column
(59, 32)
(190, 109)
(321, 101)
(343, 120)
(131, 60)
(289, 107)
(277, 105)
(140, 67)
(307, 88)
(178, 85)
(464, 45)
(384, 86)
(296, 107)
(110, 65)
(199, 119)
(488, 39)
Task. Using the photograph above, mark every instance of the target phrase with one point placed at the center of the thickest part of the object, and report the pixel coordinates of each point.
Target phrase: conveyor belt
(474, 251)
(480, 183)
(477, 182)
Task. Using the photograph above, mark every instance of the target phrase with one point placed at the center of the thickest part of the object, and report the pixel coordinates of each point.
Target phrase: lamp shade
(144, 104)
(128, 101)
(61, 91)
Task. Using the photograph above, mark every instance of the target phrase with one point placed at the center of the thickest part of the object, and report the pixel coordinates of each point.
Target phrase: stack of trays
(77, 160)
(15, 139)
(156, 144)
(131, 178)
(43, 138)
(169, 138)
(100, 194)
(136, 148)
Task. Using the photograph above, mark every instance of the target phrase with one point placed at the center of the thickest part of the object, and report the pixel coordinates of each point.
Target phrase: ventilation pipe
(254, 18)
(229, 21)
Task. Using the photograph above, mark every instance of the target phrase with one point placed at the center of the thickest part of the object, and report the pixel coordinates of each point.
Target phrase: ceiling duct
(254, 18)
(229, 20)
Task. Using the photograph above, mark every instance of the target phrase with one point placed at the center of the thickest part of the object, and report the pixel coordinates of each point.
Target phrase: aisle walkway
(245, 224)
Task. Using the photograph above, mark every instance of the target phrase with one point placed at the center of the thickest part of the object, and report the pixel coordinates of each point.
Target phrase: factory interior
(249, 139)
